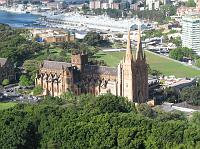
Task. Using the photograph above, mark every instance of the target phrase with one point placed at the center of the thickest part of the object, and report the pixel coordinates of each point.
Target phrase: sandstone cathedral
(129, 79)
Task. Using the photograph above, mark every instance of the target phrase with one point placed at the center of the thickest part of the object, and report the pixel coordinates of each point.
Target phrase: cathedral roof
(3, 61)
(101, 70)
(55, 65)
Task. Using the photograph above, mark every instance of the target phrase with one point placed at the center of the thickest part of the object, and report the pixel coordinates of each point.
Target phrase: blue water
(16, 19)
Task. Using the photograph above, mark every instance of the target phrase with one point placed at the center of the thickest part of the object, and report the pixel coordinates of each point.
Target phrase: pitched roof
(3, 61)
(55, 65)
(101, 70)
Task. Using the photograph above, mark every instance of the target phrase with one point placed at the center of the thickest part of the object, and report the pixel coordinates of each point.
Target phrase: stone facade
(129, 79)
(6, 70)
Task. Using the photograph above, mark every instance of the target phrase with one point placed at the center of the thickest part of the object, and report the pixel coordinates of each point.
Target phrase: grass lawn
(6, 105)
(164, 65)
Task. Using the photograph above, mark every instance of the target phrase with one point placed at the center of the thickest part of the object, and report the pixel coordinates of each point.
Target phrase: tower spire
(139, 52)
(129, 55)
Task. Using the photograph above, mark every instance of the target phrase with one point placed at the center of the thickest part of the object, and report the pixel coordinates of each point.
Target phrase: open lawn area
(6, 105)
(164, 65)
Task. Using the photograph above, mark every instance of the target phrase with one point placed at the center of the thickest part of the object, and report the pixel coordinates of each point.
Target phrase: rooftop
(101, 70)
(191, 17)
(55, 65)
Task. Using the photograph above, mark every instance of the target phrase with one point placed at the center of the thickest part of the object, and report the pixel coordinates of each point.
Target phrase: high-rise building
(191, 31)
(129, 79)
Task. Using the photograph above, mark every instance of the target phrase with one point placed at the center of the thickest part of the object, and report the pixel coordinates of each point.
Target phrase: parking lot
(12, 94)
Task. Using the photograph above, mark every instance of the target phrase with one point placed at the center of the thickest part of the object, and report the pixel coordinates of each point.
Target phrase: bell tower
(141, 73)
(133, 74)
(79, 60)
(127, 73)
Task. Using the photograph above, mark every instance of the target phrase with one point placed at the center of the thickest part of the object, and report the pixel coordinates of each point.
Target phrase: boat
(36, 23)
(26, 24)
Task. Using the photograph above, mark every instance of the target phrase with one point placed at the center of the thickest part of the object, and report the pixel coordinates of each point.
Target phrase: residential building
(191, 31)
(105, 5)
(183, 10)
(2, 2)
(129, 79)
(115, 5)
(153, 4)
(55, 5)
(95, 4)
(6, 70)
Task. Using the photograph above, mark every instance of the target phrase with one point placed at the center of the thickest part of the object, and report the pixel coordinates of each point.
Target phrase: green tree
(37, 90)
(197, 62)
(5, 82)
(24, 81)
(92, 38)
(89, 122)
(190, 3)
(31, 67)
(85, 9)
(179, 53)
(177, 41)
(191, 95)
(67, 95)
(145, 110)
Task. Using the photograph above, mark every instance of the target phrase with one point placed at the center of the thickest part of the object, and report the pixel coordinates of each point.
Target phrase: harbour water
(17, 19)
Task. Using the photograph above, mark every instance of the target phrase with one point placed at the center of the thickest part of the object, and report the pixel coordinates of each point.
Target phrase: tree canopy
(5, 82)
(86, 121)
(179, 53)
(24, 81)
(190, 3)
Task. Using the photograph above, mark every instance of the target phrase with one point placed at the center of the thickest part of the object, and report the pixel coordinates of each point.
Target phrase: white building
(191, 31)
(105, 5)
(95, 4)
(153, 4)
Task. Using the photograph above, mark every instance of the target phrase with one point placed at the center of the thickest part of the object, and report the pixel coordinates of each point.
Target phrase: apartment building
(191, 31)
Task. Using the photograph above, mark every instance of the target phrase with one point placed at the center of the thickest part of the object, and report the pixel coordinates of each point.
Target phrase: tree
(191, 95)
(179, 53)
(170, 94)
(37, 90)
(92, 38)
(31, 67)
(5, 82)
(177, 41)
(154, 72)
(67, 95)
(190, 3)
(145, 110)
(197, 62)
(89, 122)
(85, 9)
(24, 81)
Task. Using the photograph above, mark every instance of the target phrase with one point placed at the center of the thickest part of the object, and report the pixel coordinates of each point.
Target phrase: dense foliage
(191, 95)
(15, 45)
(37, 90)
(5, 82)
(152, 33)
(180, 53)
(161, 15)
(25, 81)
(197, 62)
(95, 122)
(190, 3)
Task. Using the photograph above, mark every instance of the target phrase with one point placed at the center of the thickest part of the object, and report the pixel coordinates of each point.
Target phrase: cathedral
(129, 79)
